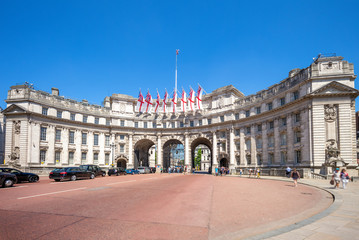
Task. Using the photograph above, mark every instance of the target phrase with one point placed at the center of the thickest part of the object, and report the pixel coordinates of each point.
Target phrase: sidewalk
(339, 221)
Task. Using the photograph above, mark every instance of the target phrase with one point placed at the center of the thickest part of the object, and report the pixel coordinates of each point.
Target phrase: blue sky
(92, 49)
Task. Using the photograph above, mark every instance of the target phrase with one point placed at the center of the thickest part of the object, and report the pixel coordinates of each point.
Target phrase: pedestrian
(336, 178)
(250, 173)
(240, 172)
(344, 177)
(295, 176)
(288, 171)
(216, 171)
(258, 172)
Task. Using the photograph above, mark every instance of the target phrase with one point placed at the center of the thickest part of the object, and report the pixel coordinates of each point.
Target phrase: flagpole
(176, 73)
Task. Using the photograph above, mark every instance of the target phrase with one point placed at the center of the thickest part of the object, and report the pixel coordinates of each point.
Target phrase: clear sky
(92, 49)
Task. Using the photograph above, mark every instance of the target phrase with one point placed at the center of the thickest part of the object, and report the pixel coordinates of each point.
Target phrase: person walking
(344, 177)
(258, 172)
(295, 176)
(336, 178)
(240, 172)
(288, 170)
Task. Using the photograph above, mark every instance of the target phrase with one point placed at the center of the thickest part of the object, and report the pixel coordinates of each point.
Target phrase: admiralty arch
(306, 121)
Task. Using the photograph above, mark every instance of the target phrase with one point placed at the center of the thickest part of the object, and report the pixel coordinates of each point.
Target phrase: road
(154, 206)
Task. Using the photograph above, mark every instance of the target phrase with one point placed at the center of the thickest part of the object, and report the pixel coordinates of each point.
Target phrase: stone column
(78, 143)
(253, 146)
(65, 146)
(232, 156)
(90, 148)
(130, 151)
(265, 144)
(276, 160)
(159, 153)
(214, 152)
(29, 143)
(290, 140)
(242, 149)
(186, 151)
(101, 141)
(50, 138)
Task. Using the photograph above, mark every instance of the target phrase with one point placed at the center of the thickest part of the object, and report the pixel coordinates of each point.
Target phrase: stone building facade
(306, 120)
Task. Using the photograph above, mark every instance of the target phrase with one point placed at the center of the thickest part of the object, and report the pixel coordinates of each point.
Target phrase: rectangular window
(297, 118)
(43, 134)
(84, 119)
(259, 159)
(248, 144)
(237, 132)
(136, 124)
(222, 118)
(122, 137)
(297, 137)
(84, 139)
(295, 95)
(122, 148)
(107, 140)
(270, 106)
(282, 101)
(270, 158)
(223, 146)
(259, 143)
(83, 157)
(59, 114)
(283, 139)
(108, 122)
(95, 139)
(95, 158)
(248, 130)
(270, 141)
(283, 158)
(191, 123)
(154, 125)
(223, 134)
(200, 122)
(249, 159)
(72, 116)
(247, 113)
(259, 128)
(107, 159)
(181, 124)
(209, 121)
(164, 125)
(284, 121)
(44, 111)
(42, 156)
(145, 125)
(236, 116)
(97, 120)
(122, 123)
(238, 146)
(58, 135)
(297, 156)
(71, 158)
(57, 157)
(173, 124)
(258, 110)
(72, 137)
(271, 125)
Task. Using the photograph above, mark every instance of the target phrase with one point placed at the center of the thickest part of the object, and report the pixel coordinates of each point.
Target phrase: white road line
(61, 182)
(51, 193)
(15, 187)
(121, 182)
(148, 179)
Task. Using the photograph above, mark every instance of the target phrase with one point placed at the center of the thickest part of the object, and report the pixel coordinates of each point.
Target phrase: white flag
(183, 101)
(149, 103)
(174, 103)
(158, 103)
(199, 97)
(140, 103)
(191, 100)
(164, 107)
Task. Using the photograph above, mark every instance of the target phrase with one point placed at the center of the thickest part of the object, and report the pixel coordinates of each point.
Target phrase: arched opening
(121, 163)
(223, 163)
(173, 155)
(144, 154)
(201, 153)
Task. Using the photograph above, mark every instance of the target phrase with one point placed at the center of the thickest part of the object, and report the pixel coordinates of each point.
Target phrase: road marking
(44, 194)
(121, 182)
(148, 179)
(60, 182)
(15, 187)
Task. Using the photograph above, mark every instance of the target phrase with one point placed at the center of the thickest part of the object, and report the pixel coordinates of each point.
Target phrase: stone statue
(330, 112)
(17, 126)
(332, 149)
(14, 158)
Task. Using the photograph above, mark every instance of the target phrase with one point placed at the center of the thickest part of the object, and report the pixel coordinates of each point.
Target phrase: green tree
(197, 160)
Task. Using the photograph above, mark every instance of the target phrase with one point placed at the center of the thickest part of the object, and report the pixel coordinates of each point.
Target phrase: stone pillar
(101, 157)
(290, 140)
(276, 160)
(29, 143)
(186, 151)
(130, 151)
(232, 156)
(253, 147)
(78, 143)
(265, 144)
(90, 148)
(50, 138)
(214, 152)
(159, 153)
(65, 146)
(243, 150)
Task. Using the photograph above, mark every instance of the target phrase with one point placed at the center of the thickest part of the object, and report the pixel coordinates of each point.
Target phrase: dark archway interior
(121, 163)
(168, 158)
(141, 153)
(195, 144)
(224, 163)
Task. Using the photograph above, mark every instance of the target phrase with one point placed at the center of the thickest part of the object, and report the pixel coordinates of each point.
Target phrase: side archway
(173, 155)
(121, 161)
(205, 147)
(143, 153)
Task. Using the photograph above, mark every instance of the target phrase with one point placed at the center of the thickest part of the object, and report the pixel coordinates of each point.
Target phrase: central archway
(206, 157)
(144, 153)
(173, 155)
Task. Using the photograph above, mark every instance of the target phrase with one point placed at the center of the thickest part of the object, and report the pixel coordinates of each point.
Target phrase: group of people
(341, 176)
(222, 171)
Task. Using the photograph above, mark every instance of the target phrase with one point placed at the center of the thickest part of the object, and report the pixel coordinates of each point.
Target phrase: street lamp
(113, 147)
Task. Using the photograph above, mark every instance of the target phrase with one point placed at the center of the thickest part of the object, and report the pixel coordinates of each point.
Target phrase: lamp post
(113, 147)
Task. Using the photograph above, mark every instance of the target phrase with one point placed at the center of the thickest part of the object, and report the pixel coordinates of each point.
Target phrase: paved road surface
(151, 206)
